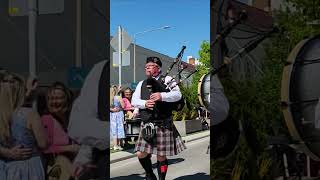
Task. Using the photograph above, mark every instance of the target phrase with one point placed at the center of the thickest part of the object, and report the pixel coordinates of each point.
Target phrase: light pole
(134, 46)
(32, 23)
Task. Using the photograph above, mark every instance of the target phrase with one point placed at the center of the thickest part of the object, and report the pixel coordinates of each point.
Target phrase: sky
(189, 22)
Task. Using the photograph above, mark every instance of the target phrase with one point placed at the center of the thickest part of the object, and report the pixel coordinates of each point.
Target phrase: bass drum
(204, 91)
(300, 92)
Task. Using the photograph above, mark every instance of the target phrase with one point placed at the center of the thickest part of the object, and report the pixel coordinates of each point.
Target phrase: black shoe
(151, 177)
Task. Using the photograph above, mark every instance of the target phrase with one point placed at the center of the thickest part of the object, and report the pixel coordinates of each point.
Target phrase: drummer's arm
(174, 95)
(137, 102)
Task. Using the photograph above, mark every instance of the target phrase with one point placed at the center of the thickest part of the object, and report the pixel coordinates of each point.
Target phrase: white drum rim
(200, 96)
(285, 94)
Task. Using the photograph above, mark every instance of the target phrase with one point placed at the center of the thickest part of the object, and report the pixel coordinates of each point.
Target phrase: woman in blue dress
(19, 127)
(116, 117)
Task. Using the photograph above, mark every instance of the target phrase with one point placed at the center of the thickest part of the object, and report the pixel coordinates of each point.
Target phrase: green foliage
(227, 169)
(176, 116)
(204, 53)
(202, 69)
(258, 101)
(188, 112)
(191, 93)
(307, 9)
(190, 96)
(204, 59)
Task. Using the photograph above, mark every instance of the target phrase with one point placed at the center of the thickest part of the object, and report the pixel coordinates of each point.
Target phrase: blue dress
(28, 169)
(117, 120)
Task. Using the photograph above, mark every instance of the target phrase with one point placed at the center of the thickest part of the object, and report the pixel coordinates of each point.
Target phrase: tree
(190, 94)
(204, 53)
(203, 67)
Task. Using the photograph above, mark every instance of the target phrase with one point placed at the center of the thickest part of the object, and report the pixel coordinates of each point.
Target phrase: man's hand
(31, 85)
(119, 88)
(150, 104)
(135, 112)
(115, 109)
(156, 97)
(19, 153)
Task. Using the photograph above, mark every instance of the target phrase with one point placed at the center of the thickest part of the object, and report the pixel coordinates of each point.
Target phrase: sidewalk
(123, 155)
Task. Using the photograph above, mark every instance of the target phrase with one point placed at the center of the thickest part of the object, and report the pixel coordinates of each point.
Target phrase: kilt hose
(165, 143)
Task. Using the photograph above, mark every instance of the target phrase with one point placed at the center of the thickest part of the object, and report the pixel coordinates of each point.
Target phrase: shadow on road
(199, 176)
(131, 177)
(154, 166)
(170, 161)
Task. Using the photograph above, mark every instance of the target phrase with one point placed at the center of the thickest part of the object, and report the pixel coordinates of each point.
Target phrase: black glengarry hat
(154, 60)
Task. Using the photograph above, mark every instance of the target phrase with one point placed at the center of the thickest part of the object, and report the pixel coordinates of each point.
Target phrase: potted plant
(186, 120)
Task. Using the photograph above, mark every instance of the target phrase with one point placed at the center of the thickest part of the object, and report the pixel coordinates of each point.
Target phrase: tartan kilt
(165, 143)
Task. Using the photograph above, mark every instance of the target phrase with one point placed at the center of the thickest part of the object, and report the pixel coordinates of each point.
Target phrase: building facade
(55, 40)
(127, 75)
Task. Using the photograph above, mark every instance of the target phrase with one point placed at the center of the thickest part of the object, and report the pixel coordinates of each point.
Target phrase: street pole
(134, 58)
(134, 47)
(120, 51)
(32, 25)
(78, 35)
(32, 22)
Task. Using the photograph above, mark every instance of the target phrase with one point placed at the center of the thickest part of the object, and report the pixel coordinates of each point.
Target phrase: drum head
(204, 90)
(300, 90)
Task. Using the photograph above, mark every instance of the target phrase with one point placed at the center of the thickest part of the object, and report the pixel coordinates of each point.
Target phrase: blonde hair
(113, 93)
(12, 96)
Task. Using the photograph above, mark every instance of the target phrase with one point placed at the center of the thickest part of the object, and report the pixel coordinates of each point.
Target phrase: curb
(134, 155)
(122, 158)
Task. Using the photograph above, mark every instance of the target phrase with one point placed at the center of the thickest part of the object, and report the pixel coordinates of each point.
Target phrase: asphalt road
(193, 163)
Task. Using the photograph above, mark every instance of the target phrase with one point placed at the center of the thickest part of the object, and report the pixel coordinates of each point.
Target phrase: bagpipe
(161, 86)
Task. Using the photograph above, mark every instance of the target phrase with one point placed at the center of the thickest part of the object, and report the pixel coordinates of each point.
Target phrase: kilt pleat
(165, 143)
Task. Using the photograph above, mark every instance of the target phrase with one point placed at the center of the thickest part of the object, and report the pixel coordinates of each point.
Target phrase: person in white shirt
(155, 109)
